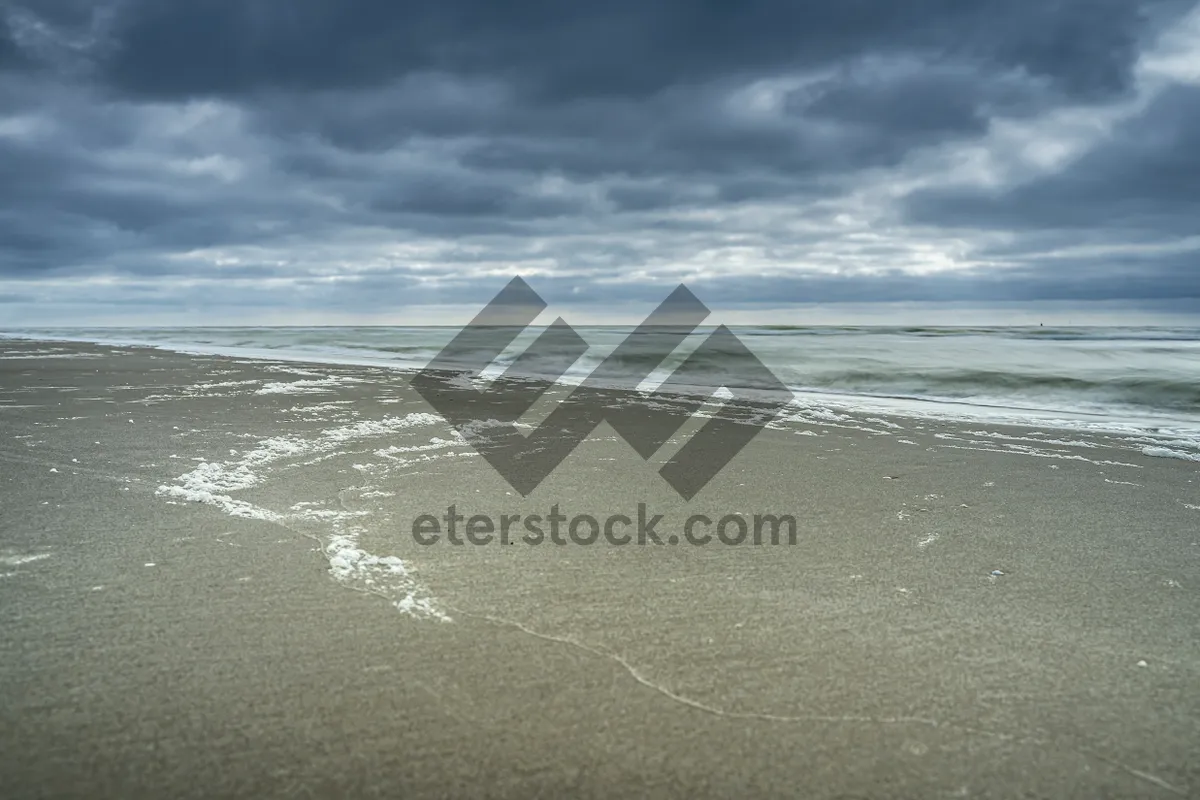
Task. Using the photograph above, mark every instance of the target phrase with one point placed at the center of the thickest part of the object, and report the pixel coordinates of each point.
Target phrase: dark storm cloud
(624, 48)
(10, 55)
(920, 103)
(423, 145)
(647, 198)
(641, 89)
(466, 196)
(1145, 177)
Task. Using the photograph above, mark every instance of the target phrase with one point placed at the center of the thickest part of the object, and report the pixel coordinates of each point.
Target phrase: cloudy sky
(313, 161)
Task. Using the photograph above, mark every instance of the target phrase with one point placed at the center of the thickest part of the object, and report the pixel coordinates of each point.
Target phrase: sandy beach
(210, 587)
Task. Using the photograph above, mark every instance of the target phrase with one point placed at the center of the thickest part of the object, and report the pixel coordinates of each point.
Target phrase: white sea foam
(235, 508)
(1016, 450)
(213, 483)
(39, 356)
(218, 478)
(436, 443)
(476, 426)
(207, 389)
(1035, 439)
(1167, 452)
(318, 386)
(18, 560)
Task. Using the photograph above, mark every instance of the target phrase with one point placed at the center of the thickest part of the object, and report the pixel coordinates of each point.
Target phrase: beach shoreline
(212, 588)
(1063, 378)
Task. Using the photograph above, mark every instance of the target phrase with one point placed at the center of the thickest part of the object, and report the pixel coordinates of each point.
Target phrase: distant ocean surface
(1147, 376)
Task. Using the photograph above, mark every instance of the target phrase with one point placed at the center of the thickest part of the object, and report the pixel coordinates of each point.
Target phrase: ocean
(1105, 378)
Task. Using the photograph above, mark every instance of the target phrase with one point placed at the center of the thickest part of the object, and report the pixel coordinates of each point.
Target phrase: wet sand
(261, 622)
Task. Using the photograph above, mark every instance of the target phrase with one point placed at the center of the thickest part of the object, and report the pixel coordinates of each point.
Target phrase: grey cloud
(10, 55)
(925, 101)
(454, 198)
(624, 48)
(598, 141)
(1146, 177)
(634, 197)
(1163, 279)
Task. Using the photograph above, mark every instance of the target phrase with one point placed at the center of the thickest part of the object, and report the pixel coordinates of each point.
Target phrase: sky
(387, 161)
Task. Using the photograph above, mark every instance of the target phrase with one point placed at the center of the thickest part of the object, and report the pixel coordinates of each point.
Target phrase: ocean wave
(1116, 372)
(1180, 394)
